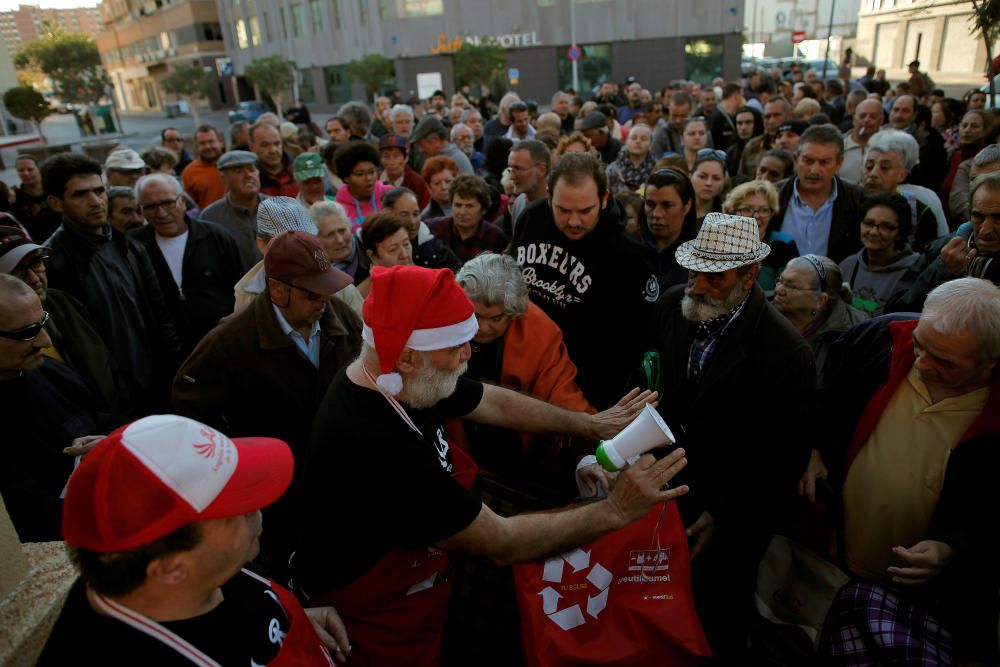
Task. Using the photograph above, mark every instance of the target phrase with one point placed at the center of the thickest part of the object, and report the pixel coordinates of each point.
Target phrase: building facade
(770, 24)
(653, 40)
(24, 24)
(891, 33)
(143, 40)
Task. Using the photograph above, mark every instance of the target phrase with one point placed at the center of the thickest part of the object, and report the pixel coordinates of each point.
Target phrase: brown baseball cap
(298, 258)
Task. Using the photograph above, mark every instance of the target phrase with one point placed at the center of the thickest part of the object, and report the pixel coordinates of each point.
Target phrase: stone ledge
(29, 612)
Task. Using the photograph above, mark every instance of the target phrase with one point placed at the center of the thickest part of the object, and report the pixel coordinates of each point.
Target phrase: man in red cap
(160, 518)
(383, 560)
(264, 370)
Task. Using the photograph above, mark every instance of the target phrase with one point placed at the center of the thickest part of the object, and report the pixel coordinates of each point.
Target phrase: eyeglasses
(750, 212)
(309, 294)
(712, 152)
(879, 226)
(521, 170)
(37, 265)
(167, 205)
(28, 333)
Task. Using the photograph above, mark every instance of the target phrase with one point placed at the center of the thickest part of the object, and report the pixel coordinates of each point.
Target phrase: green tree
(192, 83)
(478, 64)
(72, 63)
(374, 72)
(274, 76)
(27, 103)
(986, 22)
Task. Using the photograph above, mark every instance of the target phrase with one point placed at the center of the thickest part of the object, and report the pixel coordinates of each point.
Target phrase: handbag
(796, 587)
(624, 599)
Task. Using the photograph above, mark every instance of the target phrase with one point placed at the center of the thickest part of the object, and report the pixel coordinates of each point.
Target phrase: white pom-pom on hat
(390, 383)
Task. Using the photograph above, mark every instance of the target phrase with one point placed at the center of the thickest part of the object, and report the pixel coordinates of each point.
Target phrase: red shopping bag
(622, 600)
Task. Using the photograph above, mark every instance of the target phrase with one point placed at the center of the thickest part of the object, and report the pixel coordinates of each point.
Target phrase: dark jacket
(104, 272)
(246, 377)
(964, 597)
(597, 289)
(211, 267)
(80, 345)
(759, 357)
(845, 229)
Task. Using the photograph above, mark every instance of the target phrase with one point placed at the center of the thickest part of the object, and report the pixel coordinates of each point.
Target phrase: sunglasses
(28, 333)
(712, 152)
(309, 294)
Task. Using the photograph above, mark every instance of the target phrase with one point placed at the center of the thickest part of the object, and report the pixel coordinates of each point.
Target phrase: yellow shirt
(893, 485)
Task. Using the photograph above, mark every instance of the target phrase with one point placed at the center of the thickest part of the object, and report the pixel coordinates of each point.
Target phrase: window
(306, 91)
(592, 69)
(412, 8)
(316, 12)
(284, 26)
(254, 31)
(702, 58)
(336, 14)
(382, 10)
(298, 27)
(241, 34)
(363, 11)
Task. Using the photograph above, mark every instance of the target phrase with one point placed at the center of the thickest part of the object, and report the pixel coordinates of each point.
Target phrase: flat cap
(236, 159)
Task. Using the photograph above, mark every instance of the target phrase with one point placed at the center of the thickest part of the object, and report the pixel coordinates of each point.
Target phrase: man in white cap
(382, 558)
(160, 518)
(123, 167)
(729, 360)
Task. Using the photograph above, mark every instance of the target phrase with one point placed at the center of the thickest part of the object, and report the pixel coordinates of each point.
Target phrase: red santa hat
(410, 306)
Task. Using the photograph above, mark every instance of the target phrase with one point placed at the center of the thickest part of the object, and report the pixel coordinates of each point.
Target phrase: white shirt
(173, 251)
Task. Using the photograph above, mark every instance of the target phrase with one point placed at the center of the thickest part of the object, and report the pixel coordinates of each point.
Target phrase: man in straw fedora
(730, 362)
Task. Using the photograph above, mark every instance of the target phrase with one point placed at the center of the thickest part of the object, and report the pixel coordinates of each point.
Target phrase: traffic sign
(574, 53)
(513, 74)
(798, 36)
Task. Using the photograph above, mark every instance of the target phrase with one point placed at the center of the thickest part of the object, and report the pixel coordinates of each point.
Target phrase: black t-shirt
(248, 625)
(598, 289)
(371, 484)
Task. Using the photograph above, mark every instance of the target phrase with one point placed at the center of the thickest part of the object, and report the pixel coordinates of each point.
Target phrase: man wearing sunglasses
(51, 409)
(265, 369)
(74, 339)
(113, 277)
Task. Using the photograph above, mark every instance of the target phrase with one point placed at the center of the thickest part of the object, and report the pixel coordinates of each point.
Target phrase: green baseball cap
(308, 165)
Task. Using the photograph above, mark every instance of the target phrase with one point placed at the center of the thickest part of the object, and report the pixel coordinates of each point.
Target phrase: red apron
(300, 647)
(395, 612)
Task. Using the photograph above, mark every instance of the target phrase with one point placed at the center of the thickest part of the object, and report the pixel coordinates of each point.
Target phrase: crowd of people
(342, 333)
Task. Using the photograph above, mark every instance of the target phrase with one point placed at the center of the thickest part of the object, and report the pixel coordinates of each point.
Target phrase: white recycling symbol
(599, 576)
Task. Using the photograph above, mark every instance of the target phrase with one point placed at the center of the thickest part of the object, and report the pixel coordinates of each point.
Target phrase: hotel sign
(511, 41)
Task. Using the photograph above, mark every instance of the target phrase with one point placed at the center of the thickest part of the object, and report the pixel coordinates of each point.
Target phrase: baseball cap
(282, 214)
(299, 258)
(308, 165)
(157, 474)
(236, 159)
(593, 121)
(427, 126)
(393, 141)
(794, 126)
(124, 159)
(15, 246)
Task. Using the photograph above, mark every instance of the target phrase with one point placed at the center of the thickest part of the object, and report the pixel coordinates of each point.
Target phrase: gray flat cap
(283, 214)
(427, 126)
(236, 159)
(593, 121)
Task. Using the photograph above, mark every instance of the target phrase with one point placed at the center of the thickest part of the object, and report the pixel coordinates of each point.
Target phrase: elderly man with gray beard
(738, 385)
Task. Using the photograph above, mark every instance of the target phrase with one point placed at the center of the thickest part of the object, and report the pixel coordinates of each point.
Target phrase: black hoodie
(598, 289)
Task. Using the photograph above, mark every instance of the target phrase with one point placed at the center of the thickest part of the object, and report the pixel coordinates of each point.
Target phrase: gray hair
(835, 287)
(898, 142)
(495, 280)
(356, 114)
(404, 109)
(156, 177)
(458, 127)
(470, 111)
(119, 191)
(558, 95)
(988, 155)
(323, 208)
(509, 99)
(966, 304)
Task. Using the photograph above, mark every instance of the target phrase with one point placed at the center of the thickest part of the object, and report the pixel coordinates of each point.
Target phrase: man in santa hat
(396, 494)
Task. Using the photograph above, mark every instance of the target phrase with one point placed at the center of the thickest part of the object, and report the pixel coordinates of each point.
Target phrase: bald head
(549, 122)
(868, 118)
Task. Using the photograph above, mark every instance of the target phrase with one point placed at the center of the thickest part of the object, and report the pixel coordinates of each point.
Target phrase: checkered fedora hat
(283, 214)
(724, 242)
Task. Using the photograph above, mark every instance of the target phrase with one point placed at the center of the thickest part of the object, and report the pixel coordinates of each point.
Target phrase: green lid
(603, 459)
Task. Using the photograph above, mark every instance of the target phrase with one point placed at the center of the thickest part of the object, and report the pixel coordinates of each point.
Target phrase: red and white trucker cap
(151, 477)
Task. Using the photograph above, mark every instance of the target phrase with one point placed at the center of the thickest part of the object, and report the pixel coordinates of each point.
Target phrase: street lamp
(572, 39)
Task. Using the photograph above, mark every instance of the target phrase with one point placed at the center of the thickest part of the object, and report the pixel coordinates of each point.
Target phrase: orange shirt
(203, 182)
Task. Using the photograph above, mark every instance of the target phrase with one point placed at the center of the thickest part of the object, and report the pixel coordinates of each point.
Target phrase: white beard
(431, 385)
(704, 308)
